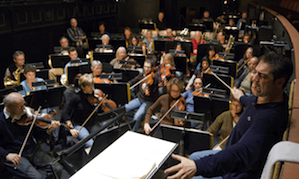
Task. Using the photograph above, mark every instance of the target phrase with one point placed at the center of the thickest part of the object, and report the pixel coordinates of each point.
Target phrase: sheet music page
(132, 156)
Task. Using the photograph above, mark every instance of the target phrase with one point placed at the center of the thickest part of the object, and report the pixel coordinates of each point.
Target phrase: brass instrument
(16, 74)
(230, 43)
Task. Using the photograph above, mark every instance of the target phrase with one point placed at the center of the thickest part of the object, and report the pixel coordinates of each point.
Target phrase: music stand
(203, 48)
(146, 25)
(127, 74)
(118, 92)
(38, 65)
(46, 98)
(104, 56)
(72, 71)
(180, 63)
(188, 116)
(160, 45)
(112, 76)
(135, 49)
(105, 138)
(232, 65)
(214, 92)
(6, 91)
(139, 58)
(199, 27)
(209, 25)
(59, 49)
(194, 140)
(215, 83)
(219, 69)
(58, 61)
(127, 62)
(227, 56)
(175, 52)
(105, 46)
(44, 83)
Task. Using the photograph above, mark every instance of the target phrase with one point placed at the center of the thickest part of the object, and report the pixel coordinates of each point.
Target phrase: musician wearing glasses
(260, 126)
(32, 162)
(12, 73)
(147, 93)
(30, 75)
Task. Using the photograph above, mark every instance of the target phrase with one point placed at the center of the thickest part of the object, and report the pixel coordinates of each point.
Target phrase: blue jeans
(82, 134)
(201, 154)
(139, 115)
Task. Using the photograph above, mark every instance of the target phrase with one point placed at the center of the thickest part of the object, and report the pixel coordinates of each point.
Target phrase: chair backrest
(284, 151)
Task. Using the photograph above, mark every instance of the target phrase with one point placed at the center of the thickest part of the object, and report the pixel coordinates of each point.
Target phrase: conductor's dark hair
(282, 67)
(17, 53)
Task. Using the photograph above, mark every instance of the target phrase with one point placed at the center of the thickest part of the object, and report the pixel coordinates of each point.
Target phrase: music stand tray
(127, 74)
(72, 71)
(232, 65)
(58, 60)
(104, 56)
(112, 76)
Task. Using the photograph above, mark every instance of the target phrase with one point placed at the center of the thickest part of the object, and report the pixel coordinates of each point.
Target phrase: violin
(179, 106)
(165, 72)
(148, 82)
(97, 98)
(43, 120)
(97, 79)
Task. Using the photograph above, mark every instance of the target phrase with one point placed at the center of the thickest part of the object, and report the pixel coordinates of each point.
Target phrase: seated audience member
(243, 61)
(260, 126)
(75, 33)
(96, 68)
(121, 53)
(102, 29)
(29, 73)
(33, 162)
(160, 22)
(146, 95)
(246, 83)
(251, 64)
(225, 122)
(128, 36)
(174, 88)
(206, 17)
(11, 76)
(79, 107)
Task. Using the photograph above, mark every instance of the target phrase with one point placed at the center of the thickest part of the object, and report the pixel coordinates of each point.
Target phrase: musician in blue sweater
(260, 126)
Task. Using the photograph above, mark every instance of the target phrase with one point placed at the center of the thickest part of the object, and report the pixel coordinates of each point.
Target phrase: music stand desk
(128, 74)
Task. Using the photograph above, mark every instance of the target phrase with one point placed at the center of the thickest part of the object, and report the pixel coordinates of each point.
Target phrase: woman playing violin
(164, 72)
(174, 88)
(12, 133)
(146, 95)
(96, 68)
(79, 108)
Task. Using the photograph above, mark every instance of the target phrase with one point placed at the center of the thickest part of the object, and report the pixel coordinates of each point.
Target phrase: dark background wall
(36, 26)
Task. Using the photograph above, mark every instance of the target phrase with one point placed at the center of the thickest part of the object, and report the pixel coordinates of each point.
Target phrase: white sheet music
(131, 156)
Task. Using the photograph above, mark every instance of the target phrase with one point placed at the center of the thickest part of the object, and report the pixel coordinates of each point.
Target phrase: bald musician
(33, 162)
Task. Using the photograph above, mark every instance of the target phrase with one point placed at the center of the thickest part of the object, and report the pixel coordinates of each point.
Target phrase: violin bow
(167, 112)
(226, 85)
(28, 133)
(146, 77)
(92, 113)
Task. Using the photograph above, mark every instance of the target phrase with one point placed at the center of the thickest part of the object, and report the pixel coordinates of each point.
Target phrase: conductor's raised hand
(237, 93)
(185, 169)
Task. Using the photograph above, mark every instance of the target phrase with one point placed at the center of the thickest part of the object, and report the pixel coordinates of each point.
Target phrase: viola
(97, 98)
(148, 82)
(179, 106)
